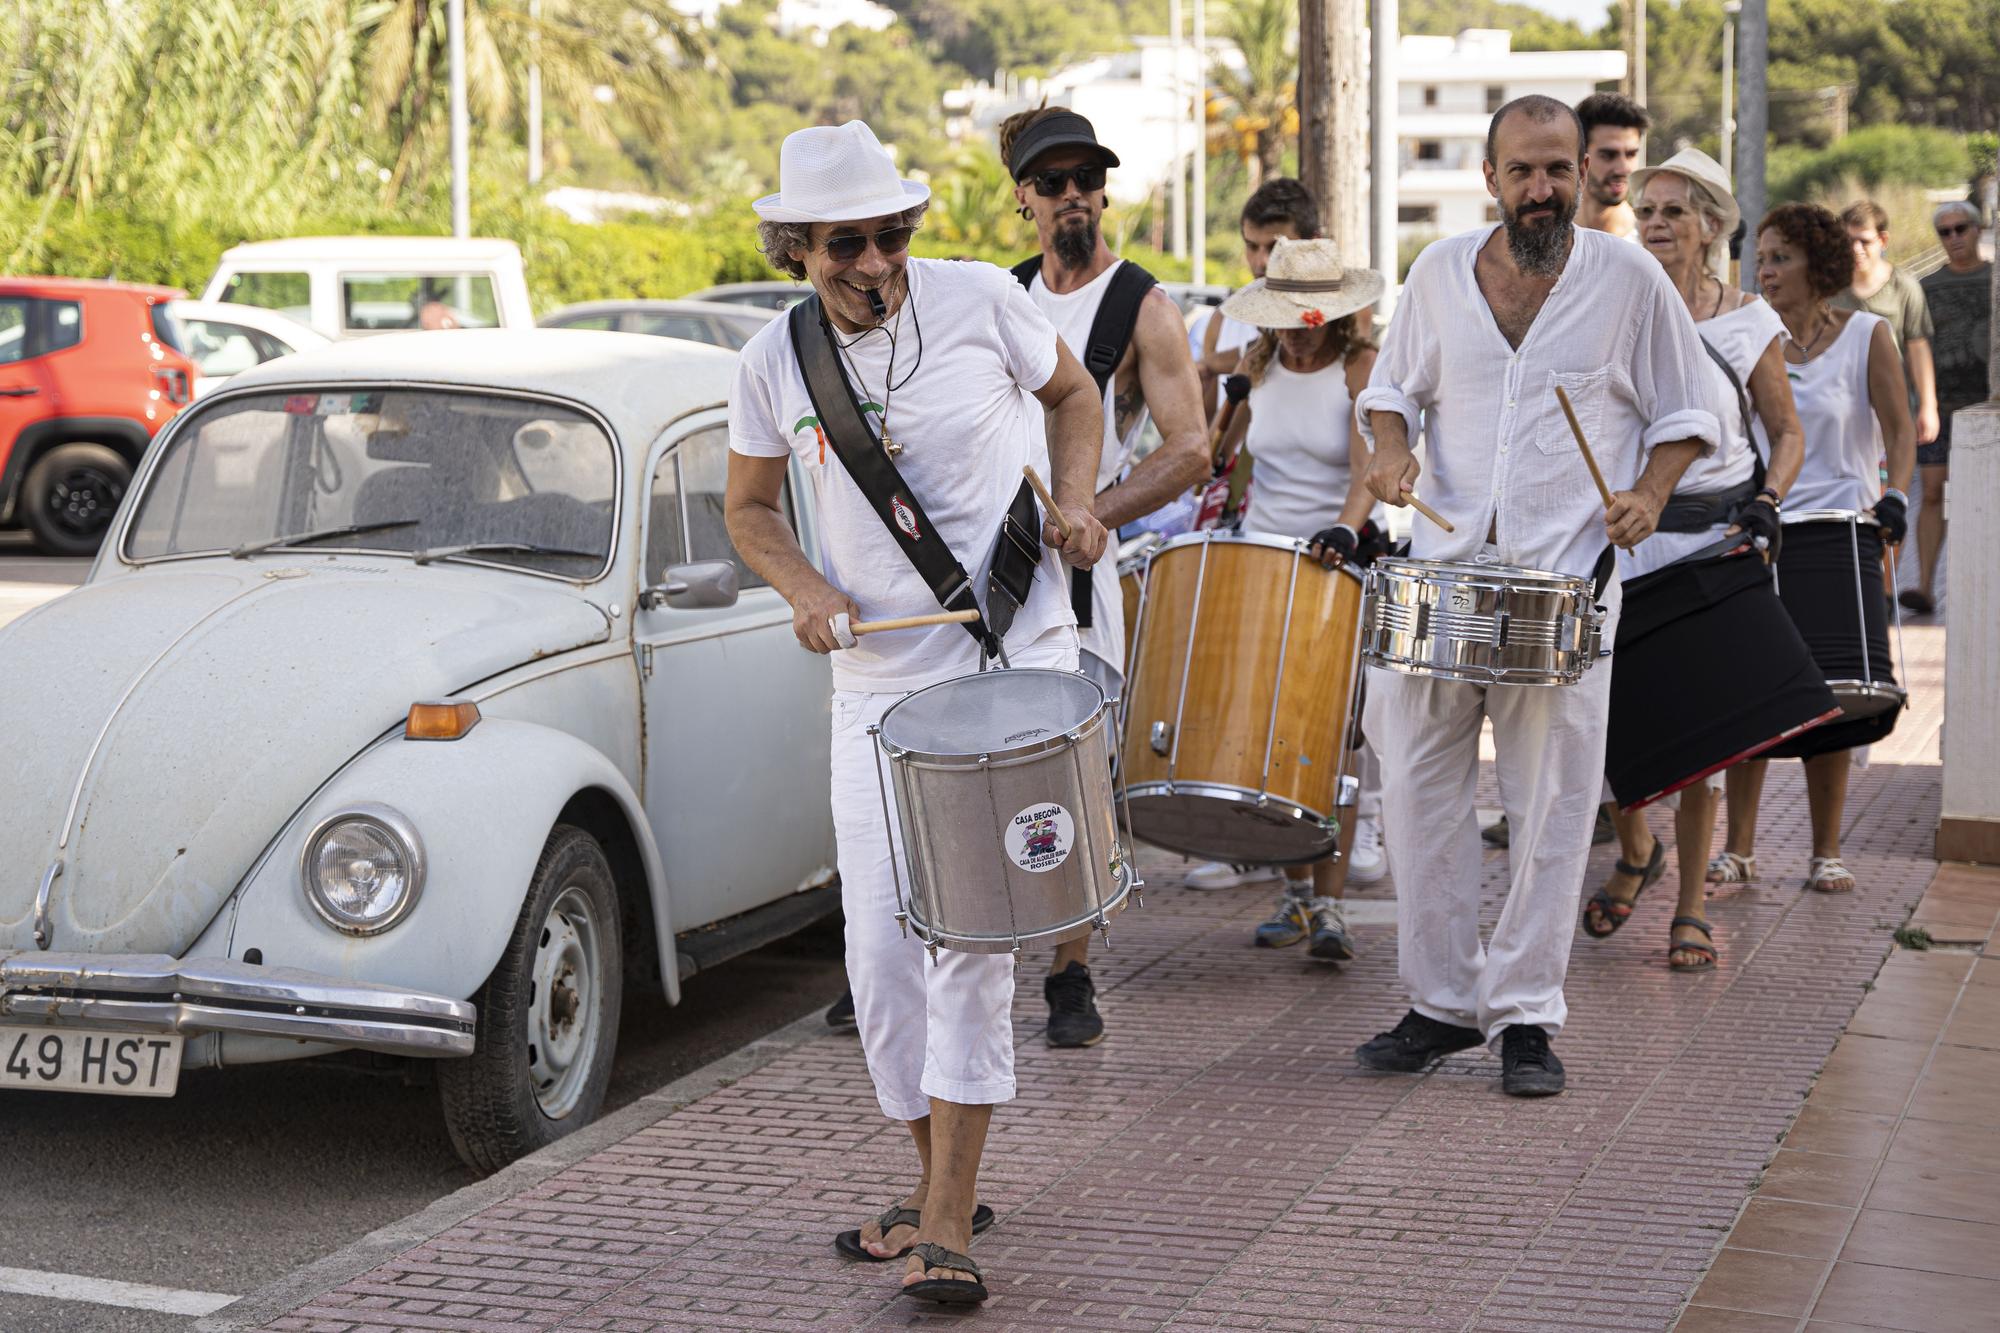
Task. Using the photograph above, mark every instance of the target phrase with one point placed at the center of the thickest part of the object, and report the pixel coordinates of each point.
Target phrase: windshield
(424, 468)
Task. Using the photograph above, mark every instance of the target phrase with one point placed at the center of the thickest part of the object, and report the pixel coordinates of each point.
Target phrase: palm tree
(1262, 111)
(634, 54)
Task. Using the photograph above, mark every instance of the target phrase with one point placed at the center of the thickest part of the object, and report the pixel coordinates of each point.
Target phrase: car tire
(548, 1014)
(69, 496)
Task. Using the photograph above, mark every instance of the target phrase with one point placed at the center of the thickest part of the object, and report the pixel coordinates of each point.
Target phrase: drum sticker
(1040, 837)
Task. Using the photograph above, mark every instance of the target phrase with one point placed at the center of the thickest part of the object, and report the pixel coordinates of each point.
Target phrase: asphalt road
(248, 1173)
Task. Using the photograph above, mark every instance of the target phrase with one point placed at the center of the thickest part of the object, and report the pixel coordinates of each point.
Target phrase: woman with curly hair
(1847, 382)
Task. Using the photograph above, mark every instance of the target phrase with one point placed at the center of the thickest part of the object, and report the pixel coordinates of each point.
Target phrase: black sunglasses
(850, 247)
(1953, 231)
(1050, 184)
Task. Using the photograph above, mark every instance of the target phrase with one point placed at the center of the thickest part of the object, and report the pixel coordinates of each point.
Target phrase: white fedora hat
(1705, 171)
(837, 173)
(1303, 287)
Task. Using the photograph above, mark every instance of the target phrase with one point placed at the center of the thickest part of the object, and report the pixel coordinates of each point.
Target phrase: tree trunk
(1333, 119)
(1270, 162)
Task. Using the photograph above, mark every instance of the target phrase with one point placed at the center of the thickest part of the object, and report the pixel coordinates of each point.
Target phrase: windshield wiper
(425, 557)
(318, 535)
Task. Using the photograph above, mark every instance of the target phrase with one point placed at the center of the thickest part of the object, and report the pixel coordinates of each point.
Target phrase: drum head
(997, 713)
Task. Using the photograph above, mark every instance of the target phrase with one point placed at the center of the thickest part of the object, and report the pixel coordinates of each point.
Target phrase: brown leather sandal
(947, 1290)
(849, 1242)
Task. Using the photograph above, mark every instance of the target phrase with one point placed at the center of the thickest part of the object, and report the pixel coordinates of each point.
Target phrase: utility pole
(1752, 126)
(1333, 118)
(1729, 13)
(1179, 186)
(1384, 160)
(1639, 51)
(461, 206)
(1198, 270)
(535, 93)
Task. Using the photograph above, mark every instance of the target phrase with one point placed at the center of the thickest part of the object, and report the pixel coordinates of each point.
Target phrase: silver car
(416, 700)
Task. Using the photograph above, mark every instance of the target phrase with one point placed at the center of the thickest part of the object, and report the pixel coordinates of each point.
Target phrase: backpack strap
(860, 451)
(1025, 271)
(1117, 315)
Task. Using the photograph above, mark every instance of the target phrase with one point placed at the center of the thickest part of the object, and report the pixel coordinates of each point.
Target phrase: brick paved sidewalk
(1219, 1161)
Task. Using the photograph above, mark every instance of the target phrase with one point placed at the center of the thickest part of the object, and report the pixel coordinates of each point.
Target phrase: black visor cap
(1064, 129)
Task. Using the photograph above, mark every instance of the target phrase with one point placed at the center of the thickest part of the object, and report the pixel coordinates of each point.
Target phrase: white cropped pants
(927, 1030)
(1549, 744)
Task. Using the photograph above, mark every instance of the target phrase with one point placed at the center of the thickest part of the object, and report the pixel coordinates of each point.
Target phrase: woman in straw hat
(1305, 368)
(1710, 668)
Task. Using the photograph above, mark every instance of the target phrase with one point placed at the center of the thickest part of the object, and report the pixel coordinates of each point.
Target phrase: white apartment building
(1448, 88)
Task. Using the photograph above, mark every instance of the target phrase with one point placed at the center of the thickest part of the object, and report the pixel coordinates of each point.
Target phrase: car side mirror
(704, 584)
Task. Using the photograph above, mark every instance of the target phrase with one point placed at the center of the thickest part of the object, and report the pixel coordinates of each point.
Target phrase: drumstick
(1589, 459)
(1048, 501)
(1430, 513)
(913, 622)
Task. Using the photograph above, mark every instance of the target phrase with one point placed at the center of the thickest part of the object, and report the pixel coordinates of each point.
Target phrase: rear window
(377, 302)
(35, 326)
(290, 293)
(166, 330)
(13, 329)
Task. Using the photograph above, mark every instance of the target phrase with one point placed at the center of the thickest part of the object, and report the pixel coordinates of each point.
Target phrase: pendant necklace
(890, 445)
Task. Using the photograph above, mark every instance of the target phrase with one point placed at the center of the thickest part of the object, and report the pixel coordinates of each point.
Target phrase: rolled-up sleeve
(1668, 372)
(1404, 380)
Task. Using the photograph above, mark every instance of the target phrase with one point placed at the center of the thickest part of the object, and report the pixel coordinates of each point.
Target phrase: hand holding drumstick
(1629, 516)
(1074, 532)
(1392, 468)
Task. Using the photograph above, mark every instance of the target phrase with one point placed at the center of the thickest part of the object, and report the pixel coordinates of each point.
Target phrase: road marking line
(107, 1291)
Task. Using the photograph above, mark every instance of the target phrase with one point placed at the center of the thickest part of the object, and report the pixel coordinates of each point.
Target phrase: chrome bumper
(156, 992)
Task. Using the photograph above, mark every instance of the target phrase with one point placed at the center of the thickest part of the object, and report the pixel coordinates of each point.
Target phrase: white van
(346, 286)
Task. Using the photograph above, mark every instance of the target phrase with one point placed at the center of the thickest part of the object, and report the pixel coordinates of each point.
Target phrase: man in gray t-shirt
(1959, 297)
(1882, 289)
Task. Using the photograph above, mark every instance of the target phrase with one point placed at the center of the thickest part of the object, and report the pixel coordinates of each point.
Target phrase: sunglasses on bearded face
(1960, 229)
(1050, 184)
(847, 248)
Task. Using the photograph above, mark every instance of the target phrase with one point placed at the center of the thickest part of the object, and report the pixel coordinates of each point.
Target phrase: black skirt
(1830, 580)
(1708, 671)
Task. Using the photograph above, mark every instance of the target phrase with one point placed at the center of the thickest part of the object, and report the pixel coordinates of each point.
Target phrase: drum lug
(903, 924)
(1159, 737)
(932, 946)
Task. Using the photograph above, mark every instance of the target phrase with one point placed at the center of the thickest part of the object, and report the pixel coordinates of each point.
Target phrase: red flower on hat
(1312, 319)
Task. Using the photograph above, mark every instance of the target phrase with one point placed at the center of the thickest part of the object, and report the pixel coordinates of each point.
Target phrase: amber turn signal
(442, 721)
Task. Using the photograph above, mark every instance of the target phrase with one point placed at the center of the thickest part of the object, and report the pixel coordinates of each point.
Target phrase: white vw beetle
(416, 698)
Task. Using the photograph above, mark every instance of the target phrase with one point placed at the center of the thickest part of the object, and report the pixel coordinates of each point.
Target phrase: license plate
(121, 1064)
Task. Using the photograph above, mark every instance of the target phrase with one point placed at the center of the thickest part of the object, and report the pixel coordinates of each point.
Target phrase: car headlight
(363, 869)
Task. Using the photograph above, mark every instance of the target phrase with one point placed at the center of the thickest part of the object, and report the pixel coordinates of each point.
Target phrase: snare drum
(1003, 788)
(1488, 624)
(1829, 573)
(1243, 674)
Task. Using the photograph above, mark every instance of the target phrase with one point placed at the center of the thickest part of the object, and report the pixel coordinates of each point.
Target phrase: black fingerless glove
(1894, 515)
(1758, 519)
(1236, 388)
(1340, 539)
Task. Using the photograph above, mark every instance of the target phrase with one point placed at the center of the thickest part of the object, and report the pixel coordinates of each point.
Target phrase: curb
(302, 1286)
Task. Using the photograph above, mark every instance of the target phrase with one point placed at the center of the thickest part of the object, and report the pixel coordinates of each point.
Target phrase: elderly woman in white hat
(1710, 668)
(1308, 363)
(955, 368)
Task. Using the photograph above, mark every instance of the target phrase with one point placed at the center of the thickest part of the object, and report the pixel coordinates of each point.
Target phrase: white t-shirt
(1234, 337)
(1741, 336)
(1072, 314)
(1843, 438)
(1299, 439)
(974, 349)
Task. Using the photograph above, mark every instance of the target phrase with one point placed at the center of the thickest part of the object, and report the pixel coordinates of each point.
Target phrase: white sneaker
(1365, 861)
(1222, 875)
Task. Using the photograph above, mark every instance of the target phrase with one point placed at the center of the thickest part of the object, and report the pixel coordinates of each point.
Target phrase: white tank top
(1741, 336)
(1073, 313)
(1298, 442)
(1843, 440)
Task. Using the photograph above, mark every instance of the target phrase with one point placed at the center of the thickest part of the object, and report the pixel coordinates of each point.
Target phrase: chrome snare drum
(1488, 624)
(1003, 792)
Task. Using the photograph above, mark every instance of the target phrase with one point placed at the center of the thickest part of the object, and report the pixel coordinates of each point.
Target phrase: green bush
(1876, 156)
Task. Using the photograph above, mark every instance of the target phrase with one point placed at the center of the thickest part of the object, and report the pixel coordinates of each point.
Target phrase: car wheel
(548, 1015)
(70, 494)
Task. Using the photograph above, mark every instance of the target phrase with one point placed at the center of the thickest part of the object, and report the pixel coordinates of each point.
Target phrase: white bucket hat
(1706, 172)
(837, 173)
(1303, 287)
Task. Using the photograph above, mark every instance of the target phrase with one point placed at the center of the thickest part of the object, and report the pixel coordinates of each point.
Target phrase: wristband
(1901, 498)
(1772, 491)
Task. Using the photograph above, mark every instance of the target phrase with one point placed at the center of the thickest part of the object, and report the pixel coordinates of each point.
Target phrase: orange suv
(89, 372)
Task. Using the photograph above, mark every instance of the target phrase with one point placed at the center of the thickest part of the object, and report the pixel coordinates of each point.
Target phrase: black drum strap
(861, 453)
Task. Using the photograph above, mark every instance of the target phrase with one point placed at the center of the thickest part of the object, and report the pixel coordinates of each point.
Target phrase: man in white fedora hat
(1129, 334)
(951, 369)
(1492, 322)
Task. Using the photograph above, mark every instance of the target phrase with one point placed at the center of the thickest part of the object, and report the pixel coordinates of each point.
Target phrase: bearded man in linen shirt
(1550, 304)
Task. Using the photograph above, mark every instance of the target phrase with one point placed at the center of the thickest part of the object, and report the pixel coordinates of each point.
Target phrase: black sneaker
(1414, 1043)
(840, 1017)
(1528, 1068)
(1073, 1017)
(1495, 834)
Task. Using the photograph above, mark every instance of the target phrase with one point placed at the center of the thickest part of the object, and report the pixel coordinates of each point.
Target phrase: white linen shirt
(1613, 332)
